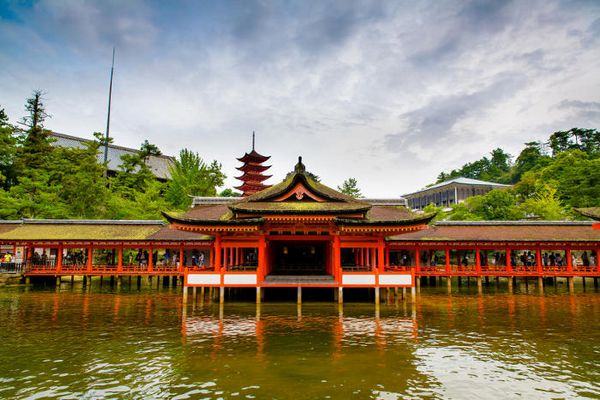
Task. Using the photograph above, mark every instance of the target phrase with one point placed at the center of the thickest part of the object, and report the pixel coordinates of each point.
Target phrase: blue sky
(391, 93)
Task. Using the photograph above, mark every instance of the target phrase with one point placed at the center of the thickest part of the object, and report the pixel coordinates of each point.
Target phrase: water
(73, 344)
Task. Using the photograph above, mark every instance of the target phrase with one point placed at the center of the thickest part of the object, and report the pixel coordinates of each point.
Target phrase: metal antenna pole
(112, 70)
(253, 140)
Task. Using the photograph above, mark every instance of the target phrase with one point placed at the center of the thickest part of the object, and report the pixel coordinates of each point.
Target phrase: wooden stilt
(340, 295)
(404, 293)
(221, 295)
(185, 294)
(583, 281)
(194, 294)
(541, 284)
(377, 296)
(299, 295)
(510, 284)
(258, 295)
(202, 294)
(58, 281)
(449, 284)
(418, 286)
(479, 285)
(413, 293)
(72, 280)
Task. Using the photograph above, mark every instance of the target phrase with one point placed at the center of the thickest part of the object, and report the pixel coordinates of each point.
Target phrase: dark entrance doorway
(298, 258)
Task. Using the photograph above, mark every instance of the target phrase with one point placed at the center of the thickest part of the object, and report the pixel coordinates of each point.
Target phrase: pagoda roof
(253, 177)
(253, 167)
(253, 156)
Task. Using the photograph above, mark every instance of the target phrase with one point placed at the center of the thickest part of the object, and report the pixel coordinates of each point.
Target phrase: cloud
(440, 116)
(367, 89)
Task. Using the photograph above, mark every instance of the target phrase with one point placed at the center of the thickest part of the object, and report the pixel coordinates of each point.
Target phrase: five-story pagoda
(253, 168)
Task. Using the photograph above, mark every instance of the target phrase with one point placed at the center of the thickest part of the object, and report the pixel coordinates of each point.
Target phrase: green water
(74, 344)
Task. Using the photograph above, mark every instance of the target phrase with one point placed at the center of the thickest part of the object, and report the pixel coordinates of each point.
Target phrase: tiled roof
(159, 165)
(515, 231)
(460, 181)
(590, 212)
(167, 234)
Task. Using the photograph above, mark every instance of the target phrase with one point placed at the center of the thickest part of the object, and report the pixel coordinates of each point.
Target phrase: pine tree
(350, 187)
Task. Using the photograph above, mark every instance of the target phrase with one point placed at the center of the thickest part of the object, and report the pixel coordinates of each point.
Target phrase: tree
(191, 176)
(498, 204)
(134, 175)
(530, 158)
(493, 169)
(350, 188)
(586, 140)
(228, 192)
(544, 204)
(8, 152)
(36, 145)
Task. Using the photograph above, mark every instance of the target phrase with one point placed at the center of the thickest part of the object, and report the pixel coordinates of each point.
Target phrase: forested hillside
(38, 180)
(550, 179)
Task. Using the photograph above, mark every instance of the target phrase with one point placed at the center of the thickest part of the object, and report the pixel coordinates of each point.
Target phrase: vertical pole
(479, 285)
(181, 255)
(185, 294)
(541, 284)
(120, 260)
(337, 265)
(340, 295)
(150, 260)
(59, 259)
(510, 284)
(377, 300)
(571, 284)
(449, 284)
(221, 295)
(90, 258)
(258, 295)
(299, 295)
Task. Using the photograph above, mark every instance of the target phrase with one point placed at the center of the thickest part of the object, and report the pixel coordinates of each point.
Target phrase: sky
(391, 93)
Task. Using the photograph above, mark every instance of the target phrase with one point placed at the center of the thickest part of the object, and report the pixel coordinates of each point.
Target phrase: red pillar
(59, 259)
(337, 265)
(569, 261)
(417, 260)
(217, 245)
(120, 260)
(180, 268)
(538, 260)
(508, 264)
(262, 259)
(447, 260)
(150, 260)
(477, 261)
(380, 256)
(90, 258)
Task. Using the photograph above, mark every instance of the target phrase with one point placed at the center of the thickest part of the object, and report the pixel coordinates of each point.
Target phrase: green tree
(134, 175)
(544, 204)
(494, 169)
(498, 204)
(531, 157)
(36, 146)
(228, 192)
(8, 152)
(350, 188)
(191, 176)
(586, 140)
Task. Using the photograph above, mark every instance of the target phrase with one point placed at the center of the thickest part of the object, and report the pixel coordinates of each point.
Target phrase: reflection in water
(145, 344)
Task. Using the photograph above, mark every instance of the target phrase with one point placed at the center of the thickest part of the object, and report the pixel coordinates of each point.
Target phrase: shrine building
(300, 233)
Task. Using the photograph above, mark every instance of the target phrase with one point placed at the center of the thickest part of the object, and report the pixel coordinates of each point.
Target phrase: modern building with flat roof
(453, 191)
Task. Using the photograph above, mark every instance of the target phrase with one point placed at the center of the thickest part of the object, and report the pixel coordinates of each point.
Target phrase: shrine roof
(590, 212)
(508, 231)
(79, 230)
(394, 215)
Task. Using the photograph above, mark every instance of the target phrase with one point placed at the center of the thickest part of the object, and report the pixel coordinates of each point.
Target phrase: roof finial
(253, 134)
(300, 168)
